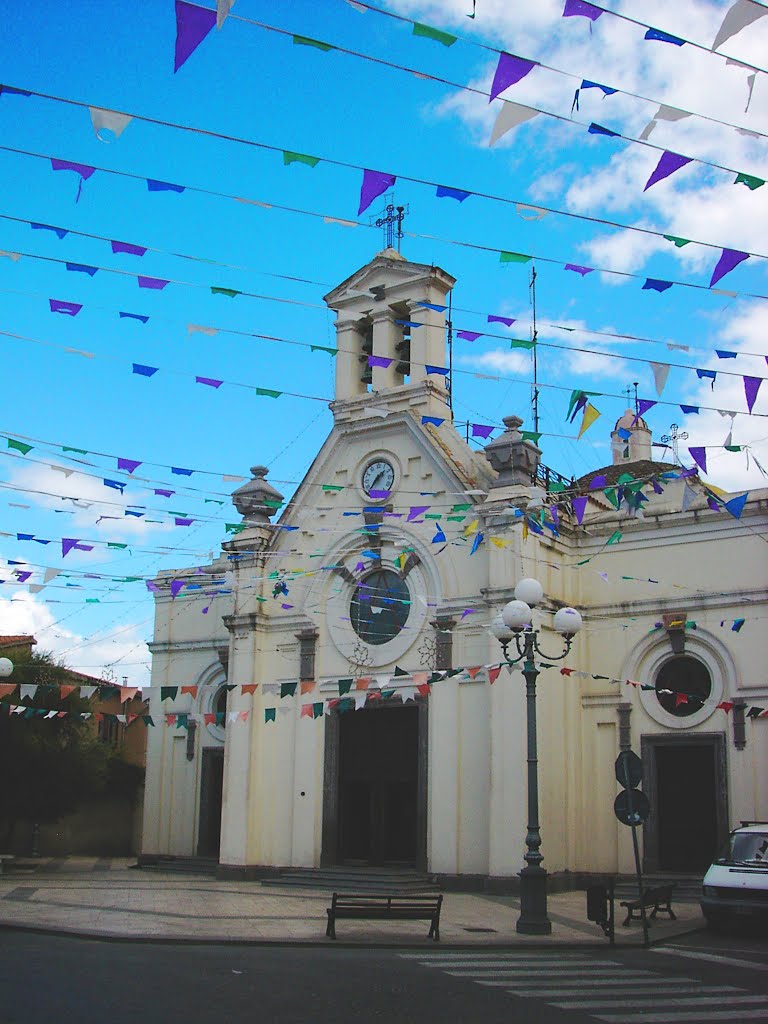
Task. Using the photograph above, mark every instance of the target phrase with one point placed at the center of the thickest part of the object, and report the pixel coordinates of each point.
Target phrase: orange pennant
(64, 691)
(493, 673)
(249, 687)
(362, 683)
(419, 678)
(129, 692)
(472, 672)
(423, 689)
(209, 718)
(6, 689)
(191, 690)
(242, 716)
(308, 685)
(306, 711)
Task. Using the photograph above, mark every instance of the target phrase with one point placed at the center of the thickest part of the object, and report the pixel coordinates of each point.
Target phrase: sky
(247, 221)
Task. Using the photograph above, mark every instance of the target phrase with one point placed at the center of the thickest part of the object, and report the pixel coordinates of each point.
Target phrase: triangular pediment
(387, 278)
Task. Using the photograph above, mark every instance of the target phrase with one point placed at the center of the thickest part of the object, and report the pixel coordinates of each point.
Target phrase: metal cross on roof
(393, 215)
(672, 438)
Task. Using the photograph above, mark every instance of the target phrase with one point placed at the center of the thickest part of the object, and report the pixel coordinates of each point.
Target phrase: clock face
(378, 476)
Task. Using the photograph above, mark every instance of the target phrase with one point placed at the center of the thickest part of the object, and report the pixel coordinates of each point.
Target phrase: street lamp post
(6, 667)
(514, 623)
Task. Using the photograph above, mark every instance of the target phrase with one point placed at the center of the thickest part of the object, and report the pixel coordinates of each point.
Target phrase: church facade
(341, 700)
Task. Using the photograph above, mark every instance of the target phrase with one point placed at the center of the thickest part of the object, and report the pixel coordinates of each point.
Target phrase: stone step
(344, 879)
(180, 865)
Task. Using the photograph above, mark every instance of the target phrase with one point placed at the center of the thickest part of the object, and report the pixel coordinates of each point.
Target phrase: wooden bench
(364, 906)
(4, 857)
(660, 898)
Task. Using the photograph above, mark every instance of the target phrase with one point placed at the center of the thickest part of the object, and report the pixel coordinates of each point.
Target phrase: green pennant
(307, 41)
(268, 393)
(19, 446)
(127, 579)
(614, 538)
(231, 292)
(299, 158)
(521, 343)
(287, 689)
(147, 720)
(234, 527)
(272, 503)
(212, 501)
(749, 180)
(317, 709)
(387, 694)
(80, 451)
(182, 720)
(345, 685)
(514, 257)
(116, 546)
(220, 717)
(732, 447)
(400, 672)
(678, 242)
(455, 519)
(433, 515)
(530, 435)
(322, 348)
(427, 32)
(462, 508)
(612, 496)
(93, 600)
(555, 486)
(269, 714)
(228, 687)
(332, 487)
(347, 704)
(169, 692)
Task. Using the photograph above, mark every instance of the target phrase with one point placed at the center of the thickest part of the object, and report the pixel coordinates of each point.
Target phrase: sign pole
(636, 848)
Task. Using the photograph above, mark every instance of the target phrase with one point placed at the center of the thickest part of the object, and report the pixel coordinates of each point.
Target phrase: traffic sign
(631, 807)
(629, 769)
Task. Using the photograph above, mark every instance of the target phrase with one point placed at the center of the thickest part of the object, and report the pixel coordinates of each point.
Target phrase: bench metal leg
(330, 931)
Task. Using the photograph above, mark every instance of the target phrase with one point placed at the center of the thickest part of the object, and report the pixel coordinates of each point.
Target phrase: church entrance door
(211, 794)
(686, 787)
(379, 792)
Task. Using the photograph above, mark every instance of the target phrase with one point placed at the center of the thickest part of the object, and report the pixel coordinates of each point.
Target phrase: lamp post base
(533, 918)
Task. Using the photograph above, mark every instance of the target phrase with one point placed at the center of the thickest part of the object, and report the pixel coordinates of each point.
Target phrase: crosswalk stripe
(653, 1001)
(696, 955)
(495, 954)
(623, 992)
(525, 966)
(680, 1015)
(554, 975)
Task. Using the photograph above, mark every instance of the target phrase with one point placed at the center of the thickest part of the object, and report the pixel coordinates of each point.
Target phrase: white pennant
(223, 7)
(660, 374)
(689, 496)
(28, 690)
(510, 116)
(199, 329)
(664, 113)
(50, 574)
(527, 213)
(15, 256)
(109, 119)
(86, 692)
(741, 14)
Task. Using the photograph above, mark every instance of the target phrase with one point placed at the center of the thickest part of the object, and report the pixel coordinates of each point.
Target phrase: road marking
(653, 1002)
(623, 992)
(503, 981)
(527, 965)
(493, 955)
(671, 1018)
(714, 958)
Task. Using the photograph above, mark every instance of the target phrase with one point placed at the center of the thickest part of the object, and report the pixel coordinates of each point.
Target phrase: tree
(47, 766)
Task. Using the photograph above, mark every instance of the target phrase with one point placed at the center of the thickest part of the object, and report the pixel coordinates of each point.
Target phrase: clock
(378, 476)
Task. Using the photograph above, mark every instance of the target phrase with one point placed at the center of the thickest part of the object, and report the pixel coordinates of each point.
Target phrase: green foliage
(48, 766)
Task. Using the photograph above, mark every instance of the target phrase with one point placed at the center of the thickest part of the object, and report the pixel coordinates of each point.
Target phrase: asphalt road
(704, 978)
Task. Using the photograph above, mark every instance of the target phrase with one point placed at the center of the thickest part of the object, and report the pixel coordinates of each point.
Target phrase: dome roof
(630, 421)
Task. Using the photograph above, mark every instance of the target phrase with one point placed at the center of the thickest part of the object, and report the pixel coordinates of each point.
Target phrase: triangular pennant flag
(193, 24)
(110, 120)
(741, 14)
(510, 116)
(660, 374)
(375, 183)
(223, 7)
(668, 163)
(427, 32)
(169, 692)
(751, 387)
(509, 71)
(689, 497)
(729, 259)
(590, 415)
(493, 673)
(699, 456)
(736, 505)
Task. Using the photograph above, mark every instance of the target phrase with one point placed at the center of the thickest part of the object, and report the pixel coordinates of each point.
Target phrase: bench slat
(365, 906)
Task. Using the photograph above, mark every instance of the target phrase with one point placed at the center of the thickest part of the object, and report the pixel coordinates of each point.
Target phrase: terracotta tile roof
(642, 469)
(21, 640)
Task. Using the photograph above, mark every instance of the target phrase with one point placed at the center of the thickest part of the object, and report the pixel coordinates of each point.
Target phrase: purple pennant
(374, 184)
(443, 192)
(493, 319)
(729, 259)
(416, 511)
(376, 495)
(699, 456)
(176, 586)
(598, 481)
(469, 335)
(481, 430)
(382, 361)
(210, 381)
(152, 282)
(192, 26)
(580, 8)
(509, 71)
(144, 371)
(66, 165)
(579, 507)
(181, 521)
(22, 577)
(129, 465)
(163, 186)
(579, 270)
(81, 268)
(68, 308)
(643, 405)
(668, 163)
(652, 284)
(751, 387)
(67, 543)
(132, 250)
(163, 493)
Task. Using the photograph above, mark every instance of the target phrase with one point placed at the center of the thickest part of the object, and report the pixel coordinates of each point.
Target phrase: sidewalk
(107, 898)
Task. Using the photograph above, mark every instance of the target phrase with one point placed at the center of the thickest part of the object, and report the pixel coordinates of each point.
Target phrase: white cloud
(123, 648)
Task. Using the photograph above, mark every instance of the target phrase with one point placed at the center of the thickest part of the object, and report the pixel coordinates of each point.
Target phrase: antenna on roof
(534, 336)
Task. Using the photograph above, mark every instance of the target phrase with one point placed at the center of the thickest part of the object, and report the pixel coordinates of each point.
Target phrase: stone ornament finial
(514, 459)
(257, 500)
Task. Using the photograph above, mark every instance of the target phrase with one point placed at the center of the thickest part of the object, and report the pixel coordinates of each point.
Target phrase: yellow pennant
(590, 415)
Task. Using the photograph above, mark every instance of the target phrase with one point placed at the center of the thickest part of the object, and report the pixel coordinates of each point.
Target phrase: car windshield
(747, 848)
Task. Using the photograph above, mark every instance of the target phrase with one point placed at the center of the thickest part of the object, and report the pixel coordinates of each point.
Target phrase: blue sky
(253, 84)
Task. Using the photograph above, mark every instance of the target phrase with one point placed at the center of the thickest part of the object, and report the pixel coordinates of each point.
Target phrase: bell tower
(390, 328)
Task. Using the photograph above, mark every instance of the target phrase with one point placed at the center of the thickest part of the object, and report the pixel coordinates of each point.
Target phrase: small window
(380, 607)
(683, 685)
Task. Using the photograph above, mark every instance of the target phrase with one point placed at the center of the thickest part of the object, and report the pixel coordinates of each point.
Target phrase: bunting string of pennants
(376, 182)
(354, 693)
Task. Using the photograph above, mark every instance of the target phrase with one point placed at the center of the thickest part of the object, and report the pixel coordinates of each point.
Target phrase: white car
(736, 885)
